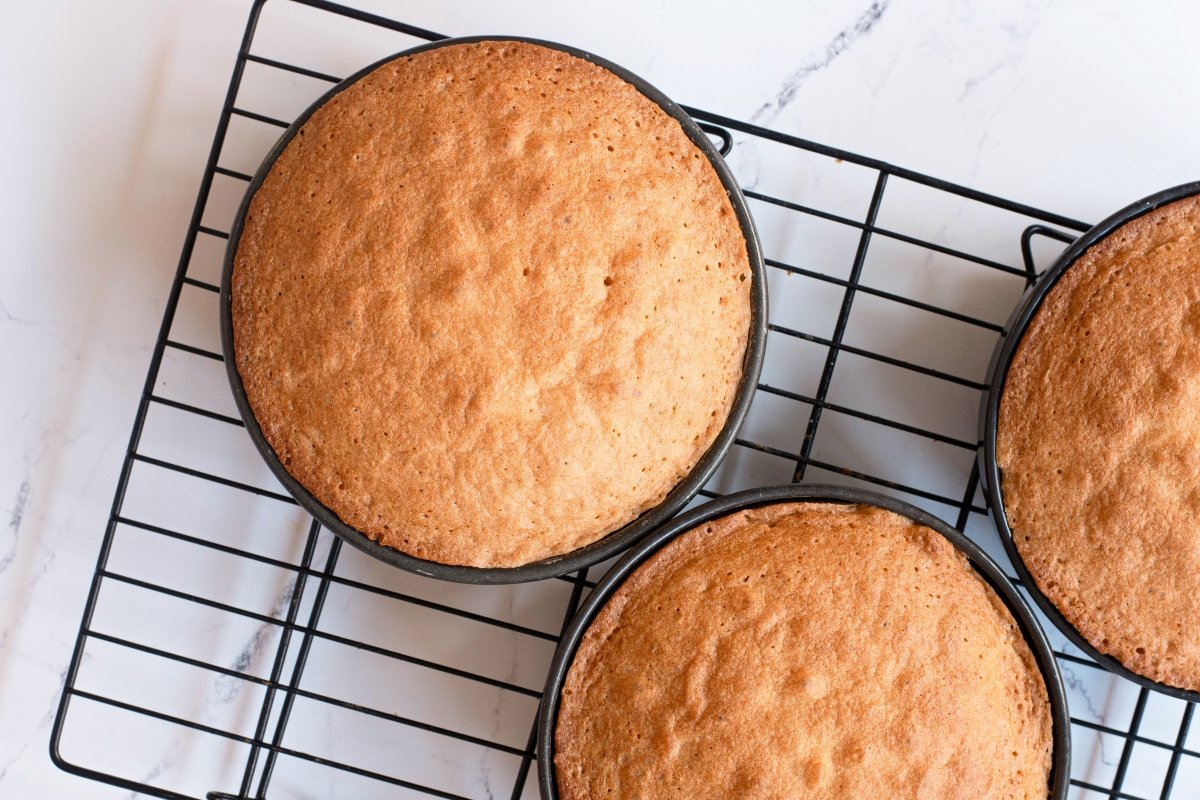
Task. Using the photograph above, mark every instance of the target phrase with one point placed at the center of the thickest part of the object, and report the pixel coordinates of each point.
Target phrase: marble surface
(1076, 107)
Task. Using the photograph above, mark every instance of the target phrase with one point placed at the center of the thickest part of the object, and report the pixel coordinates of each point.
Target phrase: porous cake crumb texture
(808, 650)
(490, 304)
(1099, 444)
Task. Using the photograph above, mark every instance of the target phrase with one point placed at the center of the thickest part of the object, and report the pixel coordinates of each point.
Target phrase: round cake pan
(980, 562)
(993, 478)
(615, 541)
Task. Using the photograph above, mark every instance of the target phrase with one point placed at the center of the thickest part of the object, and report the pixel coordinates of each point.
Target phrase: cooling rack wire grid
(234, 649)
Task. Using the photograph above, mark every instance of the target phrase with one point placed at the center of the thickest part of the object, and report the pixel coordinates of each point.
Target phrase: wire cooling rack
(231, 648)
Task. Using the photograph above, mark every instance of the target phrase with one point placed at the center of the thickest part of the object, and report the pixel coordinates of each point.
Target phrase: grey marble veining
(1018, 99)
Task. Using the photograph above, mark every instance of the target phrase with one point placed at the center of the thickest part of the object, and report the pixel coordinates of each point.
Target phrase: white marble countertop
(1075, 106)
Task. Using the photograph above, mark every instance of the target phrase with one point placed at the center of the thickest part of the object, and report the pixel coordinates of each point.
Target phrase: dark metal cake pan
(615, 541)
(989, 469)
(983, 565)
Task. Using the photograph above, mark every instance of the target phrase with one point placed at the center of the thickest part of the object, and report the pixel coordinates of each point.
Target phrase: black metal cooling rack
(230, 648)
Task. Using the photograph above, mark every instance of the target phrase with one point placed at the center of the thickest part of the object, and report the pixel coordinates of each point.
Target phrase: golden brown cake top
(809, 650)
(1099, 443)
(490, 304)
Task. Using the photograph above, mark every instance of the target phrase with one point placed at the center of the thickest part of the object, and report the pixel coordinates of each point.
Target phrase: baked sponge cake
(811, 650)
(1098, 439)
(490, 304)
